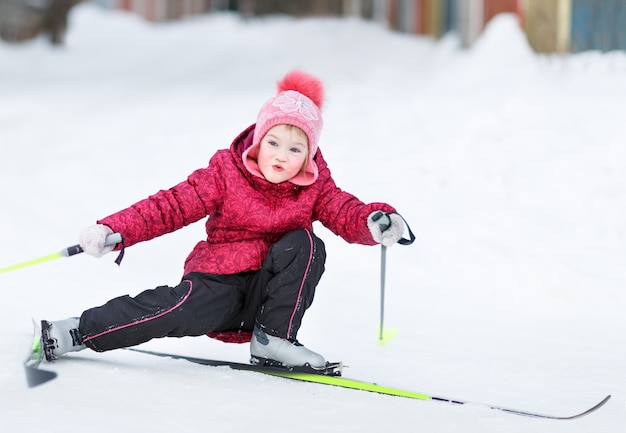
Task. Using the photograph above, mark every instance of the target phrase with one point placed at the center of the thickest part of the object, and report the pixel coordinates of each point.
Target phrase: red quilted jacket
(246, 213)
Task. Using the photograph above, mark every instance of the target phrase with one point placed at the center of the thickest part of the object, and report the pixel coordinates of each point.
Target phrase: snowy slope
(510, 167)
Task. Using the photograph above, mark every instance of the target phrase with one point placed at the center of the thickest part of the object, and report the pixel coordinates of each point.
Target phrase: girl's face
(283, 152)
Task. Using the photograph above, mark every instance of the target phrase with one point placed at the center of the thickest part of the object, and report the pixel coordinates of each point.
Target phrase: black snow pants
(274, 298)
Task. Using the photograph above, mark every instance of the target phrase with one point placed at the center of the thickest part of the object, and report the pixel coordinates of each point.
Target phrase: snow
(509, 166)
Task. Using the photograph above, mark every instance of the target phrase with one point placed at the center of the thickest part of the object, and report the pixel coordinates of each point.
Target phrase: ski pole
(112, 239)
(384, 335)
(383, 269)
(385, 222)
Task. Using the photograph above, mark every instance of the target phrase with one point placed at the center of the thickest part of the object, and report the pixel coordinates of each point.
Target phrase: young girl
(255, 274)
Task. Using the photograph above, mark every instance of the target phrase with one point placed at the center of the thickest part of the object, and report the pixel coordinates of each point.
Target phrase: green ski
(332, 376)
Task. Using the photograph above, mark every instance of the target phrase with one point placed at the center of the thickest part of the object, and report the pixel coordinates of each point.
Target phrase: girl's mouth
(277, 167)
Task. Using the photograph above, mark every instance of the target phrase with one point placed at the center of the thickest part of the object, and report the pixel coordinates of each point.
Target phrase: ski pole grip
(112, 239)
(382, 219)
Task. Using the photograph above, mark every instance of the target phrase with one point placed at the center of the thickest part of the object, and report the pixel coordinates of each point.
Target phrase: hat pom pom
(304, 83)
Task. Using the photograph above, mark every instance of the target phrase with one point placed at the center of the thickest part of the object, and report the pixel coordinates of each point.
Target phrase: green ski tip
(36, 354)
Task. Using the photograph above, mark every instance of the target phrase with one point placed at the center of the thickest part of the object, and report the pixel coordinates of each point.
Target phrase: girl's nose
(281, 156)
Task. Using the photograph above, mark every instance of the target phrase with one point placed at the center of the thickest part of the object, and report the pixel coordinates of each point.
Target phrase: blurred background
(551, 26)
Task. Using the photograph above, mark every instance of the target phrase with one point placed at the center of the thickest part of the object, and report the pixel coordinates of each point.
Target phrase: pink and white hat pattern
(298, 103)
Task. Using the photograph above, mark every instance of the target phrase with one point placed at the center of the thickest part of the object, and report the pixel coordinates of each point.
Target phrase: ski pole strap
(120, 256)
(411, 239)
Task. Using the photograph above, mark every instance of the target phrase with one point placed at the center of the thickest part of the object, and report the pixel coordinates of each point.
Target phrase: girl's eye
(272, 143)
(296, 150)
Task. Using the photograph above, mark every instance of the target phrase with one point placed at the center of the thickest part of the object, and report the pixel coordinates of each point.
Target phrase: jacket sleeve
(345, 215)
(169, 210)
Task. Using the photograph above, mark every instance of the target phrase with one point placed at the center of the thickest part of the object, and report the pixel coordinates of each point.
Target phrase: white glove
(386, 228)
(93, 238)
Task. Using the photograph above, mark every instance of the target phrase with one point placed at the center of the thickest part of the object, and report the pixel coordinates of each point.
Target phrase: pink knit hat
(298, 103)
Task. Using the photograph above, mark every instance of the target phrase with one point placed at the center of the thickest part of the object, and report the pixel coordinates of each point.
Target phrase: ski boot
(58, 338)
(278, 352)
